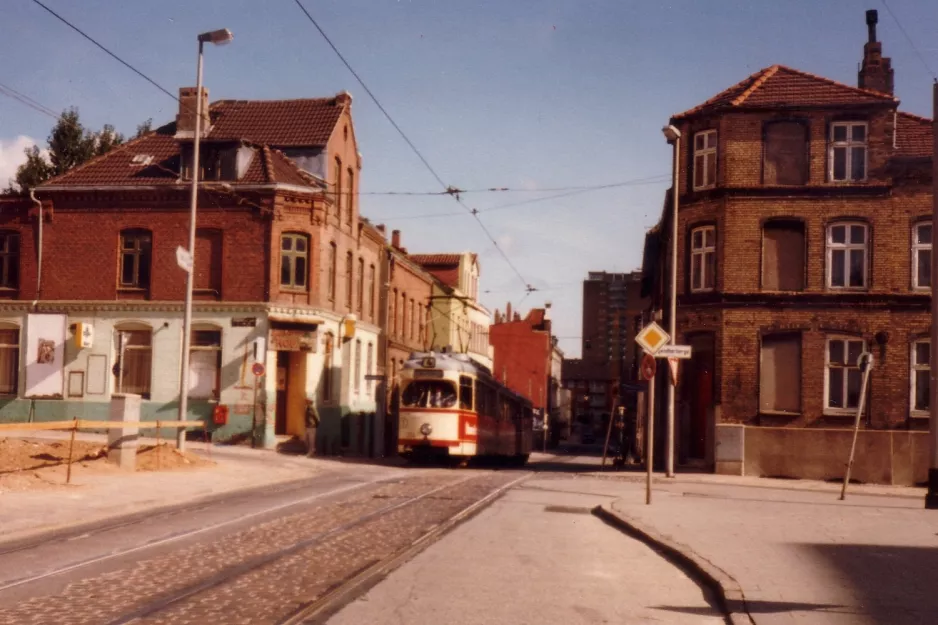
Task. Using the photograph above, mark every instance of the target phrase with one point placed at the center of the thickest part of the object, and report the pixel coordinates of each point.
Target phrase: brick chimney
(876, 70)
(343, 98)
(185, 119)
(508, 312)
(396, 239)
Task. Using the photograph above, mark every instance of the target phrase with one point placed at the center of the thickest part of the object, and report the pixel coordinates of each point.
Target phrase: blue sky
(526, 94)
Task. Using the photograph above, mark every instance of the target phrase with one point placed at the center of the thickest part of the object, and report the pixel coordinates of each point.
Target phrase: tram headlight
(426, 429)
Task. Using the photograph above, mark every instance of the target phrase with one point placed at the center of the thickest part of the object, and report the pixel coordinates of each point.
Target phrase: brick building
(804, 240)
(286, 274)
(524, 357)
(457, 319)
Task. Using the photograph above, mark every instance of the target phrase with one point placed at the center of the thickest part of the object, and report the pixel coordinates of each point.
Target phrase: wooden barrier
(77, 424)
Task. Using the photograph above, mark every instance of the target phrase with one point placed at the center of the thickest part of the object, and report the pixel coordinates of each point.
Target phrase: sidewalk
(800, 555)
(98, 496)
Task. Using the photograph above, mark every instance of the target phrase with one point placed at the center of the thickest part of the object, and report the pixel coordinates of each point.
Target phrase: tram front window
(429, 394)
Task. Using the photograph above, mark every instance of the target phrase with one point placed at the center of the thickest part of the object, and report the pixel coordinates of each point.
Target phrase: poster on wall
(45, 355)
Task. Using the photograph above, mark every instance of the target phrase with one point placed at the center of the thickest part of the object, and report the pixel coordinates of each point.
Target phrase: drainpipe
(32, 195)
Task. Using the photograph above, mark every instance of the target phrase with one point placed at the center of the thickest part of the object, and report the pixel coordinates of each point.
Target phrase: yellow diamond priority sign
(652, 338)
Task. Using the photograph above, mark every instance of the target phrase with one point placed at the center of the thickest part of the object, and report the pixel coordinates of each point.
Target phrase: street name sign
(652, 338)
(681, 352)
(184, 259)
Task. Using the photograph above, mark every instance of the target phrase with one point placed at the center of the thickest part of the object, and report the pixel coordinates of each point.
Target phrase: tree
(69, 145)
(144, 128)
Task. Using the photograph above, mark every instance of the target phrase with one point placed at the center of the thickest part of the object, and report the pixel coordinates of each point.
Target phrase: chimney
(185, 119)
(396, 239)
(876, 70)
(508, 312)
(343, 98)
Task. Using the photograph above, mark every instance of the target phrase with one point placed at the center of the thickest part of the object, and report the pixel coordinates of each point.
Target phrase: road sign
(257, 369)
(672, 367)
(184, 259)
(681, 352)
(652, 338)
(648, 366)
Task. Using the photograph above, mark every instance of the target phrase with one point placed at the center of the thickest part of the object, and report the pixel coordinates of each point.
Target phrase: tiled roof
(436, 260)
(281, 123)
(117, 167)
(914, 135)
(779, 86)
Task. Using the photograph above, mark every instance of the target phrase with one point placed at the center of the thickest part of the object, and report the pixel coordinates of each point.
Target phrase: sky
(531, 95)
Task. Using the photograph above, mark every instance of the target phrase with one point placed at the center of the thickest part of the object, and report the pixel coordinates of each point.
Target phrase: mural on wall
(45, 355)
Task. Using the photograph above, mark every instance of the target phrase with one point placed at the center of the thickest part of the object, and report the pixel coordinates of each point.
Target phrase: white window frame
(215, 350)
(15, 364)
(916, 249)
(703, 251)
(828, 409)
(848, 145)
(914, 366)
(700, 182)
(848, 246)
(120, 358)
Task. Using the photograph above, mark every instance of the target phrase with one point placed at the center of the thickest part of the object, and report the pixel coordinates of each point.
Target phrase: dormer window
(219, 162)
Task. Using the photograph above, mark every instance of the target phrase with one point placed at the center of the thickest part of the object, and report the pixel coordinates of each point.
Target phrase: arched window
(133, 366)
(349, 279)
(332, 263)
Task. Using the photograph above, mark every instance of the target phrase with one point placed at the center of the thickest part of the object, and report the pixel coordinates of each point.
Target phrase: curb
(727, 590)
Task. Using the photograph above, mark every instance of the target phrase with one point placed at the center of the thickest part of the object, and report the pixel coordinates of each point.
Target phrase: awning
(294, 319)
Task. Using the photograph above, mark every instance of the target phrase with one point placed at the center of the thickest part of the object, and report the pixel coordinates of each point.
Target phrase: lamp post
(931, 497)
(673, 135)
(216, 37)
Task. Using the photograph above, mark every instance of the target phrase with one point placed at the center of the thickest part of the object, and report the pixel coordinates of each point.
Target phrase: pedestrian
(312, 425)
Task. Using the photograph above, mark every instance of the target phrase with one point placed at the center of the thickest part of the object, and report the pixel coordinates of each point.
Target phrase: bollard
(71, 448)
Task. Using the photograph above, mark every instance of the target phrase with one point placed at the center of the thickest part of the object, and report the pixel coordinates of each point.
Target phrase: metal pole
(187, 316)
(672, 390)
(931, 497)
(650, 451)
(856, 424)
(609, 431)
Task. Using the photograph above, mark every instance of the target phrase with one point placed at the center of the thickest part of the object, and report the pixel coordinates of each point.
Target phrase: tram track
(300, 578)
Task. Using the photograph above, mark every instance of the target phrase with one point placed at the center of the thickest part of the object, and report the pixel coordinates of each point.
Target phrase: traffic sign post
(672, 367)
(258, 370)
(649, 366)
(652, 338)
(184, 259)
(681, 352)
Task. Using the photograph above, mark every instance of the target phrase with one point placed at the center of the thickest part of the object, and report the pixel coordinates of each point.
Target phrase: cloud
(11, 156)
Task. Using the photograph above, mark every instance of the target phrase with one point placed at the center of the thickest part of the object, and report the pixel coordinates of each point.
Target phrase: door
(700, 395)
(283, 365)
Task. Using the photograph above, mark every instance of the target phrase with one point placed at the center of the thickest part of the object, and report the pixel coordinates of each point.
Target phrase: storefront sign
(293, 340)
(244, 322)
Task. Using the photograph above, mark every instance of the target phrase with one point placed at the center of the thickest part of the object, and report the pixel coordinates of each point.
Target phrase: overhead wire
(915, 48)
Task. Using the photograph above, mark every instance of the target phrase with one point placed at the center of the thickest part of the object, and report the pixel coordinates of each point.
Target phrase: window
(332, 263)
(371, 292)
(783, 256)
(9, 361)
(9, 260)
(921, 256)
(205, 364)
(339, 195)
(349, 279)
(134, 361)
(785, 158)
(703, 254)
(848, 152)
(135, 259)
(402, 330)
(393, 323)
(780, 373)
(208, 261)
(369, 370)
(294, 261)
(846, 255)
(361, 285)
(705, 159)
(429, 394)
(465, 392)
(413, 318)
(327, 373)
(921, 373)
(351, 196)
(358, 365)
(423, 329)
(843, 374)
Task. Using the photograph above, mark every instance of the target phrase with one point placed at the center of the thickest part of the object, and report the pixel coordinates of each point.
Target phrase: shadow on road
(767, 607)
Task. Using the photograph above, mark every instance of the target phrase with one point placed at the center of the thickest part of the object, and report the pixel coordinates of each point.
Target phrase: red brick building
(804, 240)
(286, 274)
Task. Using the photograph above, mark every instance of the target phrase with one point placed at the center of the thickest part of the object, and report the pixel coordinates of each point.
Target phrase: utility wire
(109, 53)
(921, 57)
(410, 143)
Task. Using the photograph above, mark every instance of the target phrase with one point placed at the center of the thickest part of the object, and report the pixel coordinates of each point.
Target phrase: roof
(281, 123)
(436, 260)
(780, 86)
(158, 156)
(914, 136)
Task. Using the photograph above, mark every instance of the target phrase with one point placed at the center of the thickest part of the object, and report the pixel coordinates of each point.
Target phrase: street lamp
(217, 37)
(673, 135)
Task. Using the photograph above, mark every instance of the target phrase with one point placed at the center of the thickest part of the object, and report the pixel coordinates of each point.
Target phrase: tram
(452, 406)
